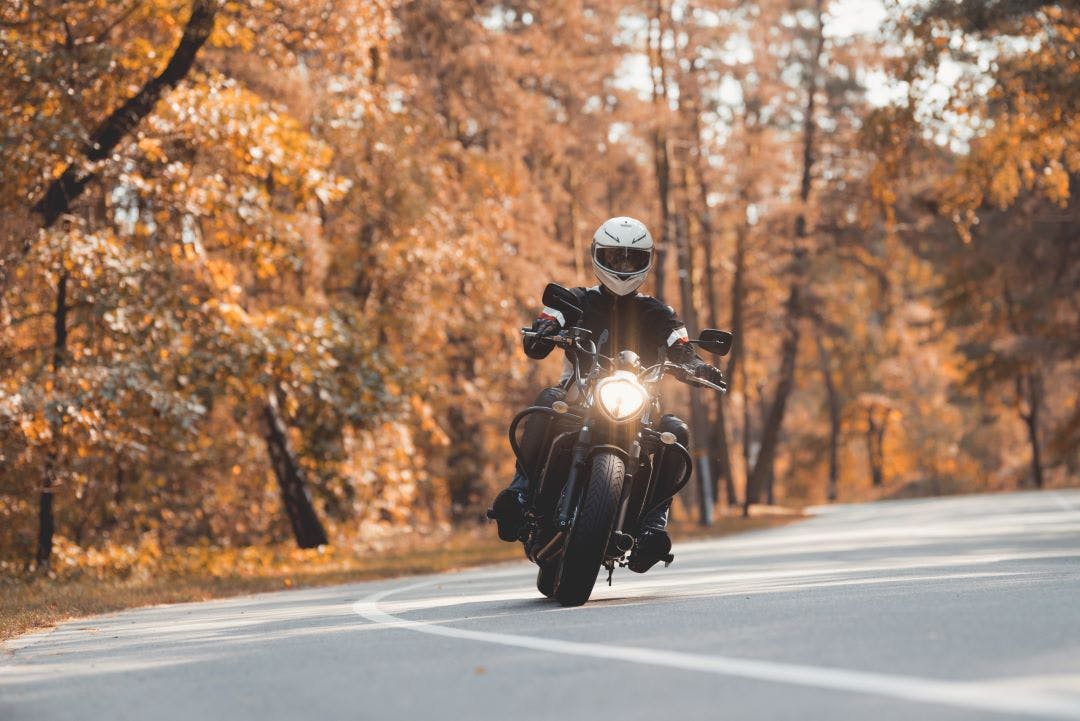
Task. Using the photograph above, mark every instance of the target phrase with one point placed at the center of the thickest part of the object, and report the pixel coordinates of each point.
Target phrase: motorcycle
(589, 495)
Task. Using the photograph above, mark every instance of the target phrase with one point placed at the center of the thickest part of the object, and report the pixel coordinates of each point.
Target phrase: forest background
(264, 263)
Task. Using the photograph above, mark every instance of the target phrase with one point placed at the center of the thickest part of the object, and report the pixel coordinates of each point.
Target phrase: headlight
(621, 396)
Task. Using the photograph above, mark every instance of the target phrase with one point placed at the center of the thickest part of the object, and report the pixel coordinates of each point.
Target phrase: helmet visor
(622, 260)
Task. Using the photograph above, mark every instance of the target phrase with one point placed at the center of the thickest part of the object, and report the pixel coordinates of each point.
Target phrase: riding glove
(711, 374)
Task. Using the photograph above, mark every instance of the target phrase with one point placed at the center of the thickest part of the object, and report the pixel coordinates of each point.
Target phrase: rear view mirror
(564, 301)
(717, 342)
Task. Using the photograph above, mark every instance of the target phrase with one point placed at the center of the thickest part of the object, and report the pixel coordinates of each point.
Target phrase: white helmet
(622, 254)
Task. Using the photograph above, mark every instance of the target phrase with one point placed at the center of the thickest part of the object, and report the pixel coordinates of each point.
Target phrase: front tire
(588, 537)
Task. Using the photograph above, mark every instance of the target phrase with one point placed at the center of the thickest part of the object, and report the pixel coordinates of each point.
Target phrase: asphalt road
(957, 608)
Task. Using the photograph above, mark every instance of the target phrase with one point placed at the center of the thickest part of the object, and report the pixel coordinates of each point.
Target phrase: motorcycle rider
(620, 319)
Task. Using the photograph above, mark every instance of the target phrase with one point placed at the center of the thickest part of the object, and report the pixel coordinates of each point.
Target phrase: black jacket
(635, 322)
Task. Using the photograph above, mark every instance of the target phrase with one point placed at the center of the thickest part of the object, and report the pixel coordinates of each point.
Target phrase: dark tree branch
(71, 183)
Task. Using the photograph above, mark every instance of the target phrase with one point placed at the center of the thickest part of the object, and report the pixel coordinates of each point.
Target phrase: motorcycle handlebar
(556, 337)
(685, 375)
(681, 373)
(566, 339)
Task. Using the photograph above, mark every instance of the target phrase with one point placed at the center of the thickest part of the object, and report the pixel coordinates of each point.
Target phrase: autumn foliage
(263, 263)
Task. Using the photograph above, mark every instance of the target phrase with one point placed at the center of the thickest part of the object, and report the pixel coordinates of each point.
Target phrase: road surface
(956, 608)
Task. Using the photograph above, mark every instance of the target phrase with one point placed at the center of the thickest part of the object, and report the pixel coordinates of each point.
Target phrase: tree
(166, 261)
(763, 471)
(1008, 190)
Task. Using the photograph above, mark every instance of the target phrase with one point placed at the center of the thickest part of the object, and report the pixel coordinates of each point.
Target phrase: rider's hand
(710, 373)
(546, 326)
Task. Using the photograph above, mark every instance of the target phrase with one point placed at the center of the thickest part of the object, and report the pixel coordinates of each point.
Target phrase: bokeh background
(264, 262)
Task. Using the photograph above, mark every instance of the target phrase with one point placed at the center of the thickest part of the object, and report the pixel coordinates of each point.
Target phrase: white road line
(1060, 499)
(985, 696)
(638, 590)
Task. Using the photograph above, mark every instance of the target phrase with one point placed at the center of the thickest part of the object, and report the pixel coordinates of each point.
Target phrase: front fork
(564, 514)
(622, 540)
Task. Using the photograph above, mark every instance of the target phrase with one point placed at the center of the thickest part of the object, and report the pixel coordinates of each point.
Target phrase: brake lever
(557, 337)
(684, 375)
(706, 384)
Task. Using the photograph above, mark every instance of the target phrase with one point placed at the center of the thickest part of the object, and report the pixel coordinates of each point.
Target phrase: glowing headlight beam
(621, 396)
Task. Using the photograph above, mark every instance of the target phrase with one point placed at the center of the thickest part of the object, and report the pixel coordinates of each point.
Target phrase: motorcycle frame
(635, 494)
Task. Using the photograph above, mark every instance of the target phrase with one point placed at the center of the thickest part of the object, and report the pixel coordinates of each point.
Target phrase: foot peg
(622, 542)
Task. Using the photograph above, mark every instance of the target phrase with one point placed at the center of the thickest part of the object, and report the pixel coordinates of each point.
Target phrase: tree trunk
(735, 368)
(764, 467)
(720, 445)
(116, 498)
(571, 226)
(749, 455)
(463, 464)
(722, 454)
(1029, 390)
(46, 522)
(306, 526)
(661, 149)
(875, 444)
(465, 461)
(808, 122)
(767, 485)
(834, 419)
(46, 525)
(663, 190)
(1033, 383)
(699, 417)
(761, 476)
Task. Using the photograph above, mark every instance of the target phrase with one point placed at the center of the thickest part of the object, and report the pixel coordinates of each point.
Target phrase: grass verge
(33, 603)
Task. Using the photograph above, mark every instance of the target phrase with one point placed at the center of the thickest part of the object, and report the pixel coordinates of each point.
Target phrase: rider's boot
(508, 510)
(653, 544)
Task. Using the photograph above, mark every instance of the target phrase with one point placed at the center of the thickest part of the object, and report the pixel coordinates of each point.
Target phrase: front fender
(621, 453)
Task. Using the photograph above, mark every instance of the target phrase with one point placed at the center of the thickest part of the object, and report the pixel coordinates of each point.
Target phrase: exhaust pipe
(551, 548)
